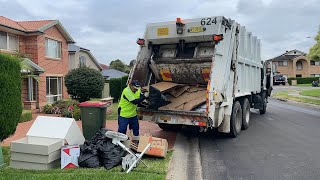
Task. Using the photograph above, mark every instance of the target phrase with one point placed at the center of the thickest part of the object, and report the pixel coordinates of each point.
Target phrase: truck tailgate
(192, 118)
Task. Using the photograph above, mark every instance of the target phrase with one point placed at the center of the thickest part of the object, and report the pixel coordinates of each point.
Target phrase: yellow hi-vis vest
(128, 109)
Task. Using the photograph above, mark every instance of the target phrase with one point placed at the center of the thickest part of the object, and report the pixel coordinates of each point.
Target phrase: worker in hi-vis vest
(127, 111)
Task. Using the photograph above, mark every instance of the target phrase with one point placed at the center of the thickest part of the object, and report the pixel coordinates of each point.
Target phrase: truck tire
(236, 119)
(245, 104)
(169, 127)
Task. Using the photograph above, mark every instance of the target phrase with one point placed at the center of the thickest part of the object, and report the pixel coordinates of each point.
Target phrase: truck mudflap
(174, 117)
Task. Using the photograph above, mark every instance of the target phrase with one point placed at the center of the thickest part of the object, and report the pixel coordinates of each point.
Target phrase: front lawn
(114, 114)
(285, 95)
(309, 85)
(157, 170)
(311, 92)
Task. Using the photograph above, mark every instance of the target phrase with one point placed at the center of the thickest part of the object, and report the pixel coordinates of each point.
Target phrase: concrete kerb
(185, 150)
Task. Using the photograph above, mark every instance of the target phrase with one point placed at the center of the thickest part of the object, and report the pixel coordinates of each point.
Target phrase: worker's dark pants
(133, 124)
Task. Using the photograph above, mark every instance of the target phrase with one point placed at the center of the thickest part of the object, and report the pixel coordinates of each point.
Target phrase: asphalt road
(282, 144)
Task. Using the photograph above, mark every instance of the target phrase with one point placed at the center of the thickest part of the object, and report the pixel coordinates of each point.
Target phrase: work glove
(146, 94)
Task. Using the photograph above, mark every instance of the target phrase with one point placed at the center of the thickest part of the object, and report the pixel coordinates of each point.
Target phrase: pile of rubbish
(100, 151)
(173, 96)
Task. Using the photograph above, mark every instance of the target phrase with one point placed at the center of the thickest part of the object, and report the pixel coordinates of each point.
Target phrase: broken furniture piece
(116, 139)
(41, 149)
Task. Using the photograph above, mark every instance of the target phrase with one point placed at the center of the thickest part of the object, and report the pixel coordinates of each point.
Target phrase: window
(299, 65)
(314, 63)
(298, 75)
(282, 63)
(82, 61)
(53, 48)
(54, 89)
(9, 41)
(315, 75)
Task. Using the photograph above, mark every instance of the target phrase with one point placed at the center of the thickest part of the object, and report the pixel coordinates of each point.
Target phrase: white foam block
(57, 128)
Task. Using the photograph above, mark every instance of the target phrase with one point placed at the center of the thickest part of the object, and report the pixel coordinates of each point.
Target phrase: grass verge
(157, 169)
(311, 92)
(285, 95)
(304, 85)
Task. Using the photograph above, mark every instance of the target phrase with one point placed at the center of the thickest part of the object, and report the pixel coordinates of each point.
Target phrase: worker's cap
(135, 84)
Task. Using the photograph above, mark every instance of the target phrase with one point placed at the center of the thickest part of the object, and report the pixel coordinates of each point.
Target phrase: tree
(84, 83)
(10, 90)
(131, 64)
(118, 65)
(314, 52)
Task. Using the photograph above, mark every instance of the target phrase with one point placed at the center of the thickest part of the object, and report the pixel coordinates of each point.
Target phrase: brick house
(82, 57)
(294, 63)
(45, 45)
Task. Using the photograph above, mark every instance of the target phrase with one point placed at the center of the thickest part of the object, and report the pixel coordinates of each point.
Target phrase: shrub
(66, 113)
(10, 90)
(64, 104)
(306, 80)
(116, 87)
(67, 108)
(48, 109)
(84, 83)
(26, 116)
(76, 113)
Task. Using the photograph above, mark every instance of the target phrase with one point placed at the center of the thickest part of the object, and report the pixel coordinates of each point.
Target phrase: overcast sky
(110, 28)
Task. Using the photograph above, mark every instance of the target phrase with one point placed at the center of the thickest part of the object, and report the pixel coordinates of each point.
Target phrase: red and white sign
(69, 157)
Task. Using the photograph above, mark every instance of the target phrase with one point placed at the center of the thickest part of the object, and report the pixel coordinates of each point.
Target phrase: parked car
(279, 79)
(315, 83)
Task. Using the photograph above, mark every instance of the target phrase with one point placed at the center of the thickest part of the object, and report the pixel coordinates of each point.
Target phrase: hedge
(306, 80)
(26, 116)
(10, 90)
(116, 87)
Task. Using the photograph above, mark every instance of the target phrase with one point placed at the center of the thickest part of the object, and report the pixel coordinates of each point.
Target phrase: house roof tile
(34, 25)
(10, 23)
(113, 73)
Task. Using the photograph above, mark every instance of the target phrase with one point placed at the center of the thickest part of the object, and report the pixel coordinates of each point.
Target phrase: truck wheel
(264, 109)
(245, 113)
(169, 127)
(236, 119)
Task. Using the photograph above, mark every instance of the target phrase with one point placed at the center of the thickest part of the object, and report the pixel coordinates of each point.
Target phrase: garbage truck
(208, 72)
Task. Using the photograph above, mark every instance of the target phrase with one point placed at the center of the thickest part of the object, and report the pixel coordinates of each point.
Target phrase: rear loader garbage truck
(204, 72)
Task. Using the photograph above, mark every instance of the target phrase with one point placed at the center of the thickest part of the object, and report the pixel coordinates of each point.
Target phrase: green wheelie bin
(93, 117)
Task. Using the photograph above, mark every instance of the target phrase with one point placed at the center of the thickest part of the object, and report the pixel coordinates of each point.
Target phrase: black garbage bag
(100, 151)
(156, 99)
(89, 157)
(110, 154)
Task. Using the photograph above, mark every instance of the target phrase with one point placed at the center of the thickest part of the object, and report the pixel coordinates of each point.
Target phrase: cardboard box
(159, 147)
(69, 157)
